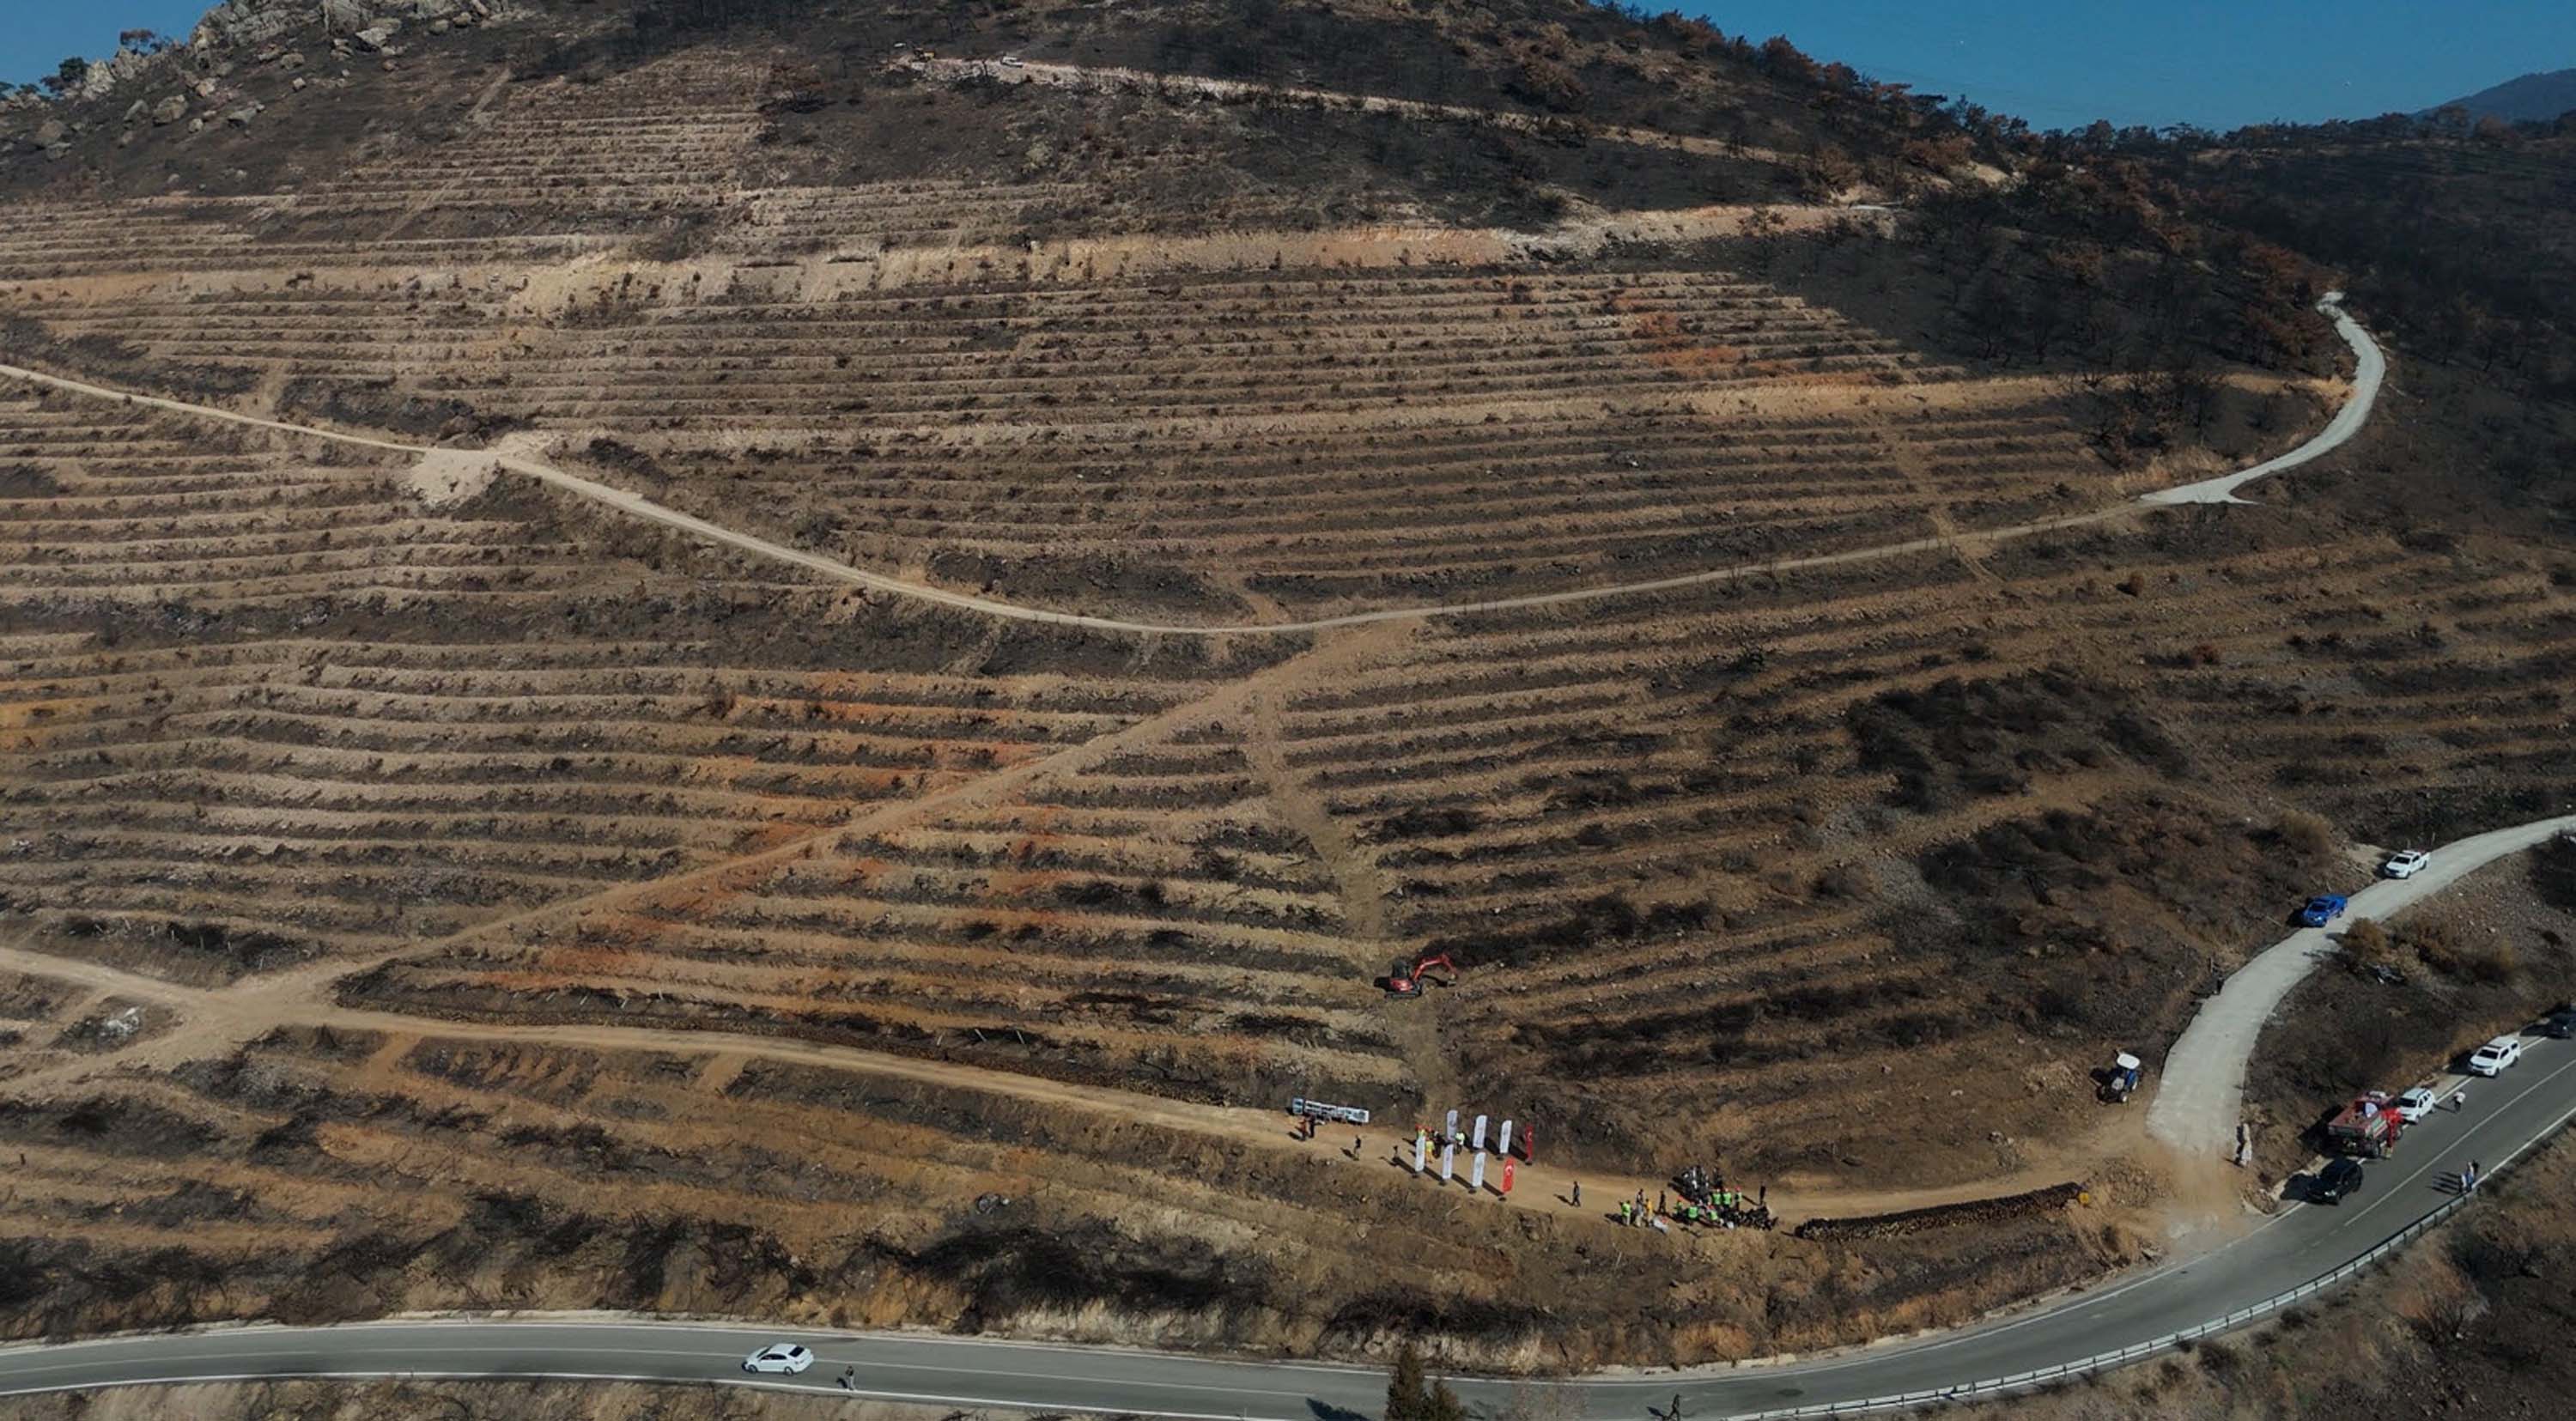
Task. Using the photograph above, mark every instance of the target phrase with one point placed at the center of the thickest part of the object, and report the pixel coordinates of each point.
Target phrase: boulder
(241, 117)
(59, 152)
(345, 15)
(205, 88)
(290, 61)
(197, 124)
(48, 133)
(376, 37)
(136, 110)
(171, 109)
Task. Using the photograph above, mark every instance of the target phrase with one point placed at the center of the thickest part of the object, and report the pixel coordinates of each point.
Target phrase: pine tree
(1444, 1405)
(1406, 1398)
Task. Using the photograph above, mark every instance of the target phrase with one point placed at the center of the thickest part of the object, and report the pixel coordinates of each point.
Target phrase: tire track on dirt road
(2347, 422)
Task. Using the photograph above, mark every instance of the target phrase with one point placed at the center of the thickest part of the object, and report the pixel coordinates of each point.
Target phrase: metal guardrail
(2136, 1352)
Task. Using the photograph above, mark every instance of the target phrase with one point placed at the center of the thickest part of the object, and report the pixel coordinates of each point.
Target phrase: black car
(2339, 1178)
(2558, 1025)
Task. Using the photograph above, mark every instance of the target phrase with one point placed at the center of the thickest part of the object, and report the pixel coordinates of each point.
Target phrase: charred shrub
(2553, 873)
(1409, 1312)
(1960, 740)
(1014, 1269)
(252, 951)
(1609, 918)
(376, 404)
(1426, 822)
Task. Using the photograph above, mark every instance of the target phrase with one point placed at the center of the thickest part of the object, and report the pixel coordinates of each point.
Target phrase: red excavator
(1405, 979)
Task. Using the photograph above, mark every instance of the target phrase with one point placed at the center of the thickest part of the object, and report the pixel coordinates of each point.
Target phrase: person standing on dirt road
(2459, 1101)
(1578, 1193)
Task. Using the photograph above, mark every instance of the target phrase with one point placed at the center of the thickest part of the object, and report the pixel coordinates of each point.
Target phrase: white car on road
(779, 1357)
(2492, 1058)
(2405, 863)
(2415, 1104)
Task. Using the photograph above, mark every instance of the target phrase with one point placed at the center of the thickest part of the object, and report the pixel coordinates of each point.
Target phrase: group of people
(1714, 1207)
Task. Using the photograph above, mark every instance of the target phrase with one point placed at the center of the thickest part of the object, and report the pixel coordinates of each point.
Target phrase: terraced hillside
(424, 886)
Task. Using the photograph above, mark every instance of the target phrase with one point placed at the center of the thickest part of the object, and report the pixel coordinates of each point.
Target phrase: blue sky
(2058, 63)
(2064, 63)
(36, 35)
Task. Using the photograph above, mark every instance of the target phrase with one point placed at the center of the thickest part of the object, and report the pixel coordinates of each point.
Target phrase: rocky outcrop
(105, 76)
(249, 22)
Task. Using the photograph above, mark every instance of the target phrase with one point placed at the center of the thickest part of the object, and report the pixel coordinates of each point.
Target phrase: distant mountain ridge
(2532, 97)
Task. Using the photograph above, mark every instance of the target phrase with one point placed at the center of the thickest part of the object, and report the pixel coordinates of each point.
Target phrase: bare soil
(523, 903)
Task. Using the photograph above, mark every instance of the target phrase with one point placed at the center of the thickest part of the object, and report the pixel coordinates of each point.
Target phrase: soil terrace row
(292, 732)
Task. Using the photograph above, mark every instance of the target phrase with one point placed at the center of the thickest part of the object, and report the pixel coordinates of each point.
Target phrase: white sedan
(2405, 863)
(779, 1357)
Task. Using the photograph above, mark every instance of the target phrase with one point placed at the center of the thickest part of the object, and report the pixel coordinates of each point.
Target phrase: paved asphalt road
(2501, 1118)
(2200, 1092)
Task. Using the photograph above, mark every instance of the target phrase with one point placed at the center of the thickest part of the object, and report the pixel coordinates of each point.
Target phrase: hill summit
(2533, 98)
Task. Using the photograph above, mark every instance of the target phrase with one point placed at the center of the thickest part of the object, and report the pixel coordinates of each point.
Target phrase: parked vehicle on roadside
(2369, 1126)
(2495, 1057)
(2340, 1178)
(2414, 1105)
(2558, 1025)
(2405, 863)
(2322, 909)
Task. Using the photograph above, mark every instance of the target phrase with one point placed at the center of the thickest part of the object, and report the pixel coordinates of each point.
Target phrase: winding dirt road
(2348, 421)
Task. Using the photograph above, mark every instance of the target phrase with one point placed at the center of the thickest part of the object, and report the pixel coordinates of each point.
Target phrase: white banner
(1505, 1147)
(1480, 1132)
(1448, 1157)
(1476, 1173)
(1451, 1129)
(1421, 1147)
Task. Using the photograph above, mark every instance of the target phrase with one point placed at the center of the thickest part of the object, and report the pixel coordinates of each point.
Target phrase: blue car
(2322, 909)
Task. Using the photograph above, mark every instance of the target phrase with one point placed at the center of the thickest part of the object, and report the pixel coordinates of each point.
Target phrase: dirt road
(2369, 368)
(2347, 421)
(2201, 1094)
